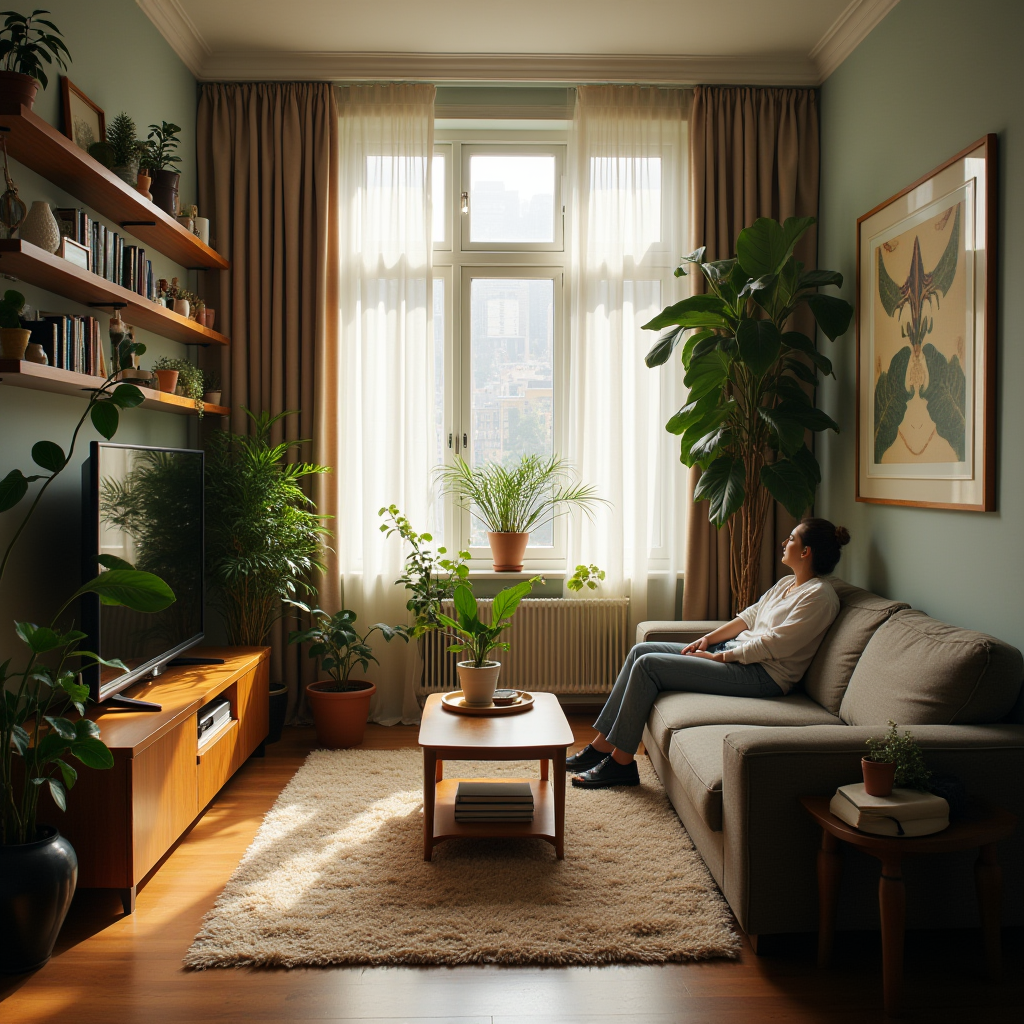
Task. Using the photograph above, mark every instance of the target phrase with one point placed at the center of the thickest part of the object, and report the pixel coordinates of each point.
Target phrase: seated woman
(763, 652)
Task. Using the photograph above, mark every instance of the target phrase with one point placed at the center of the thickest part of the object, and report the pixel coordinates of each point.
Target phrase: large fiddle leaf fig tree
(750, 381)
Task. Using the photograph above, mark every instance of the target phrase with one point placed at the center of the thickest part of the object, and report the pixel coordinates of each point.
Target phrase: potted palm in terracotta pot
(26, 42)
(511, 502)
(340, 703)
(478, 675)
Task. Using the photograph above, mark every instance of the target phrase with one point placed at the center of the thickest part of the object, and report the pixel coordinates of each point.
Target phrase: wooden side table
(983, 826)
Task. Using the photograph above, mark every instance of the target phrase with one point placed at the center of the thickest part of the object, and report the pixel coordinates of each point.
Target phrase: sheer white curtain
(626, 180)
(383, 401)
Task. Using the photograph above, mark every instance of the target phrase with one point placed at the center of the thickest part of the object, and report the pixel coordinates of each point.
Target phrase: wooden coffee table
(981, 827)
(540, 733)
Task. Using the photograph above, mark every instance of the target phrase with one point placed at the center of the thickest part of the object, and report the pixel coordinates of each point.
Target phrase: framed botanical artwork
(84, 122)
(926, 339)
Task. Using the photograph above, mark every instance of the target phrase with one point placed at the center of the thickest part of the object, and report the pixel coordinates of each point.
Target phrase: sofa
(734, 767)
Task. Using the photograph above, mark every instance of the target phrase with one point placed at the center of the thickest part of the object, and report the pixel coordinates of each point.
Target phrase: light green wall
(933, 77)
(121, 62)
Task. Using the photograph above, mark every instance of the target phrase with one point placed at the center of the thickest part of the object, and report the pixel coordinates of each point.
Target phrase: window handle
(465, 442)
(449, 439)
(465, 202)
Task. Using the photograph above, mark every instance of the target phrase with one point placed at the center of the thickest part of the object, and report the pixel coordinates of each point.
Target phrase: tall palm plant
(264, 538)
(521, 498)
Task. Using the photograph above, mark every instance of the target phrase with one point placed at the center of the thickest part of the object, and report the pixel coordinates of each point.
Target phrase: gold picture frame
(926, 339)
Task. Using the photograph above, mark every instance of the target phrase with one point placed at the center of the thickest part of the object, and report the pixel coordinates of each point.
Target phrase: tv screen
(143, 505)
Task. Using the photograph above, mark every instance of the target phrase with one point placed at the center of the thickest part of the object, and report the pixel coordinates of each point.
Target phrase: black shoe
(608, 773)
(586, 758)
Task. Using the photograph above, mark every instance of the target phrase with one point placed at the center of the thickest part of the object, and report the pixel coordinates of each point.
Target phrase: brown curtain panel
(753, 153)
(268, 180)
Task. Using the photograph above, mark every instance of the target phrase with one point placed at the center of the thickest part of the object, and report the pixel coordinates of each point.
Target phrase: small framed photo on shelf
(74, 252)
(84, 122)
(926, 339)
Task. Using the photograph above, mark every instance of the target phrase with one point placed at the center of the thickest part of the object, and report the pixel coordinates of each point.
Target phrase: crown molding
(508, 67)
(848, 31)
(174, 24)
(842, 38)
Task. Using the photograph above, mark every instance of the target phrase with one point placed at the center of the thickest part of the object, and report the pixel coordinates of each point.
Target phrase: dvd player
(212, 716)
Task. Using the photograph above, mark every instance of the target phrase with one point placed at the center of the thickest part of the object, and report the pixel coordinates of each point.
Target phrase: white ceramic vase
(202, 229)
(40, 227)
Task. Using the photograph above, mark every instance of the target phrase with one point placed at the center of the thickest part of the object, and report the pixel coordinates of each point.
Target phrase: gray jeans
(653, 668)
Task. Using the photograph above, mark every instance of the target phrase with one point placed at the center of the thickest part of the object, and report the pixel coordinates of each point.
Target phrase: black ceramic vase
(164, 189)
(37, 881)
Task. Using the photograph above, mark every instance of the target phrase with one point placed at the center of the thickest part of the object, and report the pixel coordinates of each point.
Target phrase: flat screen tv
(143, 505)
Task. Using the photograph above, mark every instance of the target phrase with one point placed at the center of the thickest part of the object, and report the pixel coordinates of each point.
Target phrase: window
(499, 311)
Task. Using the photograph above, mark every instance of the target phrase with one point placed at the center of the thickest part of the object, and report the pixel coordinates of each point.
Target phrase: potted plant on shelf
(38, 867)
(188, 381)
(211, 385)
(340, 704)
(159, 158)
(26, 43)
(126, 148)
(478, 676)
(748, 376)
(511, 502)
(14, 338)
(894, 760)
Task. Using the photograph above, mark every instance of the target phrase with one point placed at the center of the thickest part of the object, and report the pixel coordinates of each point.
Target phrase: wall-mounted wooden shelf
(40, 146)
(23, 374)
(36, 266)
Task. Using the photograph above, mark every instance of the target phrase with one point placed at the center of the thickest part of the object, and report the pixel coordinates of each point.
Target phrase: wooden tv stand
(123, 820)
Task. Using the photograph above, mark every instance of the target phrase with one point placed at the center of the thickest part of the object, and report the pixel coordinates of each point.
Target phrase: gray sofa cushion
(919, 671)
(696, 759)
(682, 710)
(860, 614)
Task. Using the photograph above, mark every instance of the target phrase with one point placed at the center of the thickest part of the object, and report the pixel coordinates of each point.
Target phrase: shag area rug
(336, 875)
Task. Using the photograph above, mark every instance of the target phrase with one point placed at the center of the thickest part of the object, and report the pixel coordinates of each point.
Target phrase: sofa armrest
(676, 632)
(771, 841)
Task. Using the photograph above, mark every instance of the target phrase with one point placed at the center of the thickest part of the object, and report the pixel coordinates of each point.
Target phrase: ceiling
(796, 42)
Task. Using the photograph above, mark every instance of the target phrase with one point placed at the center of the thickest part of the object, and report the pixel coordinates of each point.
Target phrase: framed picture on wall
(84, 122)
(926, 339)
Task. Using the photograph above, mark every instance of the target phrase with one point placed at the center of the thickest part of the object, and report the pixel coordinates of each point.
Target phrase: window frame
(459, 264)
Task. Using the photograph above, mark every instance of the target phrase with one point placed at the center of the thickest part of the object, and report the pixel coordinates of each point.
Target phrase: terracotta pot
(340, 716)
(208, 317)
(16, 91)
(14, 341)
(165, 190)
(142, 184)
(508, 550)
(212, 397)
(168, 380)
(478, 684)
(35, 353)
(878, 776)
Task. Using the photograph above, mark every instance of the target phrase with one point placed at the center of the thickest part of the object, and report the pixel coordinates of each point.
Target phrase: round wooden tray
(454, 702)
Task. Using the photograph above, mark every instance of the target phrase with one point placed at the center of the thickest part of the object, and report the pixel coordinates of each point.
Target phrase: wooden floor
(111, 968)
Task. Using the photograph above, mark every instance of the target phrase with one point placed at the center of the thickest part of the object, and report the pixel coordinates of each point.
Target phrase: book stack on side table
(905, 812)
(494, 801)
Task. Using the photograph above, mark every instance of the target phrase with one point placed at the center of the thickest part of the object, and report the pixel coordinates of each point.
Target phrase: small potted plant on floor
(26, 43)
(159, 159)
(894, 760)
(512, 501)
(478, 675)
(341, 703)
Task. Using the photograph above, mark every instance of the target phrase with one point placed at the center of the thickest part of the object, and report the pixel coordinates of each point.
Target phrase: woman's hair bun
(842, 535)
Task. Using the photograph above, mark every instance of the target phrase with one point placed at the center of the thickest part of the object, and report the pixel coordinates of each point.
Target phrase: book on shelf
(72, 342)
(494, 792)
(905, 812)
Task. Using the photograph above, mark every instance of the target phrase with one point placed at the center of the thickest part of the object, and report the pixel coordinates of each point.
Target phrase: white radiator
(559, 645)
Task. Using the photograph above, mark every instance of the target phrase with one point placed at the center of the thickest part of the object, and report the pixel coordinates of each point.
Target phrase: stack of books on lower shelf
(904, 812)
(494, 801)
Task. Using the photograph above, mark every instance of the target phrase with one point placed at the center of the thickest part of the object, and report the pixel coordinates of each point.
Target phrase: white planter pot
(478, 684)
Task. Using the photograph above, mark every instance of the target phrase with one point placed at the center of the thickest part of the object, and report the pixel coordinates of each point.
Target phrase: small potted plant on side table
(478, 676)
(340, 704)
(894, 760)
